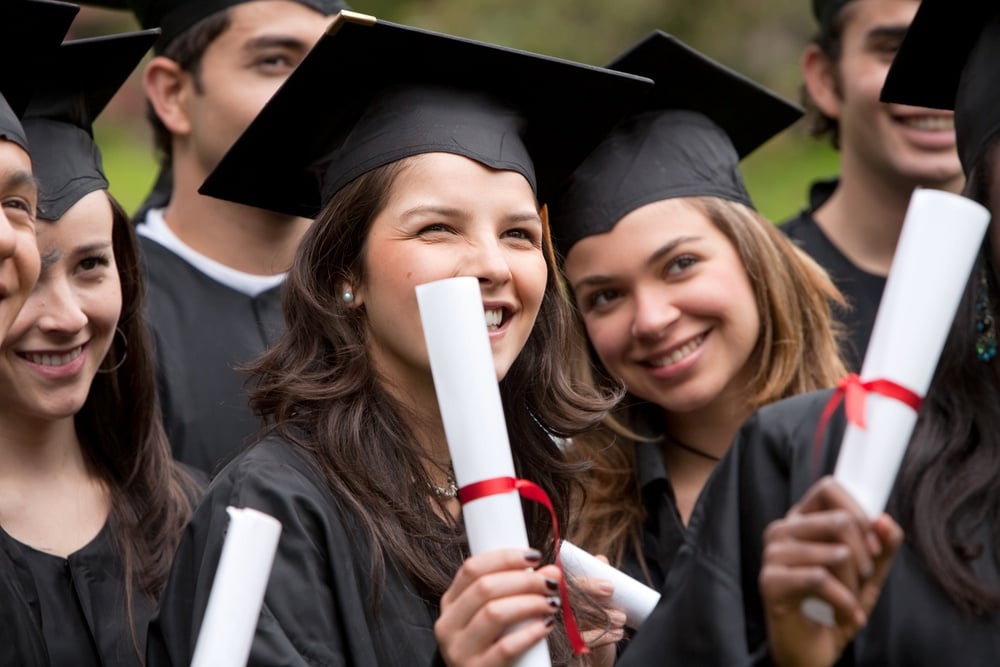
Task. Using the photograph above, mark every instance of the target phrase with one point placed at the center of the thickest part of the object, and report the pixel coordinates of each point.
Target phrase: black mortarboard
(78, 84)
(826, 10)
(30, 32)
(173, 17)
(372, 92)
(950, 59)
(686, 140)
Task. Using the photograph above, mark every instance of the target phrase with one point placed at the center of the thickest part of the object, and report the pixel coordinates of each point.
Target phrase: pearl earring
(347, 296)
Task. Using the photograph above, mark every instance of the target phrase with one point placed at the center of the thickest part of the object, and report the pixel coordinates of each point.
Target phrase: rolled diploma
(632, 596)
(937, 248)
(918, 306)
(465, 380)
(237, 594)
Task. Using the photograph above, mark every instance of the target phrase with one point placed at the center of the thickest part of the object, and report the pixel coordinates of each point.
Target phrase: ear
(819, 76)
(354, 289)
(167, 88)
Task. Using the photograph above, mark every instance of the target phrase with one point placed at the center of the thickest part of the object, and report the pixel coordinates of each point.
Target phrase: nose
(655, 313)
(62, 312)
(8, 237)
(488, 262)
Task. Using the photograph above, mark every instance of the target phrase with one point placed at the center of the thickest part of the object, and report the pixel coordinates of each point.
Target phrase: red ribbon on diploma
(854, 392)
(531, 491)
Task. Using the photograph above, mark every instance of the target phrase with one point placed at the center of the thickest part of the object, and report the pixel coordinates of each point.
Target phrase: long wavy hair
(947, 492)
(317, 389)
(797, 350)
(123, 440)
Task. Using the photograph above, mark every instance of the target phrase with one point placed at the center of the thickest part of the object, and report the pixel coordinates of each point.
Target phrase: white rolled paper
(941, 236)
(937, 248)
(468, 394)
(633, 597)
(237, 594)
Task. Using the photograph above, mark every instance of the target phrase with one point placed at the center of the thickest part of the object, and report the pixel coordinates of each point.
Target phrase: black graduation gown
(21, 641)
(663, 532)
(317, 607)
(862, 290)
(710, 612)
(202, 331)
(77, 605)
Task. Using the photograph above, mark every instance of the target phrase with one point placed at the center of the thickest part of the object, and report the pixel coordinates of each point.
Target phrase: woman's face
(67, 325)
(19, 263)
(450, 216)
(668, 306)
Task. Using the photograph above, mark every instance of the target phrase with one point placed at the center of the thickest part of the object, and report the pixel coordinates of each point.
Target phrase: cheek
(609, 337)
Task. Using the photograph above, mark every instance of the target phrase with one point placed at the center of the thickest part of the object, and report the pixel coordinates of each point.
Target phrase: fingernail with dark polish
(551, 584)
(555, 602)
(533, 556)
(549, 621)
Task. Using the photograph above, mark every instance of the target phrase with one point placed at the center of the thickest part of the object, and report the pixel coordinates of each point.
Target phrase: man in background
(214, 268)
(853, 222)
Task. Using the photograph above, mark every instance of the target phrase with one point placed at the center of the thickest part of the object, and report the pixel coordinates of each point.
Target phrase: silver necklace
(450, 489)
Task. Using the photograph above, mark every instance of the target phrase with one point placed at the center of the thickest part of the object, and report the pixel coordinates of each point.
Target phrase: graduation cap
(30, 31)
(372, 92)
(826, 10)
(950, 59)
(79, 82)
(686, 140)
(173, 17)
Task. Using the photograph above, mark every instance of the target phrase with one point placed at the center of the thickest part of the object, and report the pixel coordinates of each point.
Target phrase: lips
(929, 123)
(677, 354)
(52, 358)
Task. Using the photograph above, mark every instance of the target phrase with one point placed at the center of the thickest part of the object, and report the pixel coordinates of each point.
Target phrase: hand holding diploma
(631, 596)
(234, 604)
(937, 248)
(468, 394)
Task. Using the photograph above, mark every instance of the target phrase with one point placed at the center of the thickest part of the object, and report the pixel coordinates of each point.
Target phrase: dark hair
(828, 40)
(123, 440)
(947, 486)
(317, 388)
(187, 50)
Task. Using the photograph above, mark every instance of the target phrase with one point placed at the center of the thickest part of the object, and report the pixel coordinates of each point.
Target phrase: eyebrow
(658, 254)
(886, 31)
(275, 41)
(19, 179)
(52, 256)
(451, 212)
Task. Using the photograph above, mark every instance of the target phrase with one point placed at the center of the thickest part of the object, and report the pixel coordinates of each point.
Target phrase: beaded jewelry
(986, 334)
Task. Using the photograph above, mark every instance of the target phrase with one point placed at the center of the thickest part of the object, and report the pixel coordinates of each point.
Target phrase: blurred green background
(759, 38)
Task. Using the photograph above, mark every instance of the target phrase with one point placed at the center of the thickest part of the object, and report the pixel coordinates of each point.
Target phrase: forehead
(13, 159)
(865, 15)
(639, 234)
(255, 17)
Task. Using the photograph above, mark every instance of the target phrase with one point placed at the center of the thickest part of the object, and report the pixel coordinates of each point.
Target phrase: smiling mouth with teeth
(53, 359)
(678, 354)
(929, 123)
(494, 318)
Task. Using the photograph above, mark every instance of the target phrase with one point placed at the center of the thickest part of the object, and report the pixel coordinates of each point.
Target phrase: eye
(20, 207)
(524, 234)
(680, 264)
(434, 228)
(600, 299)
(276, 63)
(94, 263)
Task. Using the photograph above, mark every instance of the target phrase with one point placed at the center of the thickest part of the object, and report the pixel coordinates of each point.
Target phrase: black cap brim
(950, 59)
(687, 80)
(568, 106)
(30, 33)
(79, 83)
